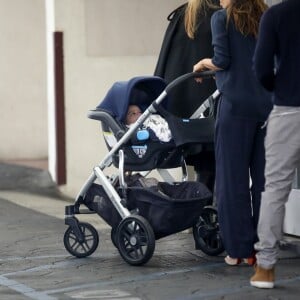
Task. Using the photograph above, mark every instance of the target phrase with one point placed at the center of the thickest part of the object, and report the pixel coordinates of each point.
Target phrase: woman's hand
(202, 65)
(199, 67)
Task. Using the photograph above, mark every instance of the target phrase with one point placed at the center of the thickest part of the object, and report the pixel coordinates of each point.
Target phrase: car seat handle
(182, 78)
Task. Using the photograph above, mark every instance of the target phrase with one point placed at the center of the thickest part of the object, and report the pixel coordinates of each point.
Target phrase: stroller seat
(188, 134)
(139, 155)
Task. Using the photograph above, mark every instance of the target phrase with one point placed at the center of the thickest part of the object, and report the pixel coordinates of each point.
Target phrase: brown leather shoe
(263, 278)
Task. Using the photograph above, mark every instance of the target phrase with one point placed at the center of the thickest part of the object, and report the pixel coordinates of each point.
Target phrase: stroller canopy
(140, 91)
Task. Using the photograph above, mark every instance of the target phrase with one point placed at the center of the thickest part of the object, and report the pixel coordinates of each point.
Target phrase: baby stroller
(141, 210)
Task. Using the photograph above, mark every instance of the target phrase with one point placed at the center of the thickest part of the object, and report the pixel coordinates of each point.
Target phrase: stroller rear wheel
(84, 247)
(136, 240)
(206, 232)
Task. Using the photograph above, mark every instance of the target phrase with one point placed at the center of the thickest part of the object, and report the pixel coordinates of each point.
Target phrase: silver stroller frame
(135, 222)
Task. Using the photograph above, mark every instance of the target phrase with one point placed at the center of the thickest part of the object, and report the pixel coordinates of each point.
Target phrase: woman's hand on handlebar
(202, 65)
(199, 67)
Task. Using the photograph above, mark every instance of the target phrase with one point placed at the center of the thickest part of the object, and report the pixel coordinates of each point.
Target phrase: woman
(187, 40)
(242, 111)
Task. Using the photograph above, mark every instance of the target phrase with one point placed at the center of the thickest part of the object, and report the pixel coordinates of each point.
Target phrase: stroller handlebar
(182, 78)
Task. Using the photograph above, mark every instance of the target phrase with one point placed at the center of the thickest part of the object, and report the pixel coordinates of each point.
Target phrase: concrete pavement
(32, 212)
(34, 189)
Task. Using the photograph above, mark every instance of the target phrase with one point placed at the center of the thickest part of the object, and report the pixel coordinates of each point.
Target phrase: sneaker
(263, 278)
(232, 261)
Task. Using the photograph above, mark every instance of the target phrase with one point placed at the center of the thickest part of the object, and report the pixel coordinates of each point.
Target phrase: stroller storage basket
(97, 200)
(170, 208)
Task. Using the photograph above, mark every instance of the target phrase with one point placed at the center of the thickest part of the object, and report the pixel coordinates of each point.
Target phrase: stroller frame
(81, 239)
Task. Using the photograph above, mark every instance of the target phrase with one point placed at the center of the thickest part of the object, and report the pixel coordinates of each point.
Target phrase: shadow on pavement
(26, 179)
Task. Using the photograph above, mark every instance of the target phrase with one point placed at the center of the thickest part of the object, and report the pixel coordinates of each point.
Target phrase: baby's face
(133, 114)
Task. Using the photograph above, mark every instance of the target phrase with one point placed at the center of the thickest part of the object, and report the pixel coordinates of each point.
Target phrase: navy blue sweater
(233, 53)
(277, 55)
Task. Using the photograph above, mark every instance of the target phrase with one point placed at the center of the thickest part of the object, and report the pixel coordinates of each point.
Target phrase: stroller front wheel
(136, 240)
(206, 232)
(84, 247)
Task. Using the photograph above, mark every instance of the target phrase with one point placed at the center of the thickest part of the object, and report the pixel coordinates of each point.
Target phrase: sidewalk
(33, 188)
(176, 266)
(25, 178)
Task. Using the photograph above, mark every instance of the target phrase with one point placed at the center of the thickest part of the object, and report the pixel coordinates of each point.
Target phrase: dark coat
(233, 53)
(279, 37)
(178, 55)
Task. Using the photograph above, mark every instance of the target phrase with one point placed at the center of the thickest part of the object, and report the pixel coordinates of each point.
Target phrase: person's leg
(257, 169)
(205, 168)
(202, 157)
(234, 142)
(282, 156)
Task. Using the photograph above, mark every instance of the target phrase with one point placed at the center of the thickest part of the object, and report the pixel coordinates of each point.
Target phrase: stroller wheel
(206, 232)
(84, 247)
(136, 240)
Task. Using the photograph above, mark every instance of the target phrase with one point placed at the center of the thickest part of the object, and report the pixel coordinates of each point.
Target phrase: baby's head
(133, 114)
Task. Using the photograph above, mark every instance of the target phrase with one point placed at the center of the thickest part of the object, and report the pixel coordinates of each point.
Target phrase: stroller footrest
(86, 212)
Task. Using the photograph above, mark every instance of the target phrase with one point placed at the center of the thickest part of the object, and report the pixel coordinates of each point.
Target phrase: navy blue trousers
(240, 163)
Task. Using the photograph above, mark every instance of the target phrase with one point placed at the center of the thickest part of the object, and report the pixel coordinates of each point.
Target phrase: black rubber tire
(89, 244)
(136, 240)
(206, 232)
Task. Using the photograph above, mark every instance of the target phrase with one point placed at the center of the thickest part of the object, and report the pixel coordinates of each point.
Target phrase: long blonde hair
(246, 15)
(194, 7)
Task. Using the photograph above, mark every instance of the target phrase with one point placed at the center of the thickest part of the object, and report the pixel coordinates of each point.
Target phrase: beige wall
(123, 28)
(88, 72)
(273, 2)
(23, 113)
(89, 76)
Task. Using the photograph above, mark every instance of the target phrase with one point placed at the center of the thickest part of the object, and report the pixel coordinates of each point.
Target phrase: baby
(154, 122)
(133, 113)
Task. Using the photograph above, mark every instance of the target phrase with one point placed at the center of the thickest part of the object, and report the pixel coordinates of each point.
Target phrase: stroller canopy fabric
(140, 91)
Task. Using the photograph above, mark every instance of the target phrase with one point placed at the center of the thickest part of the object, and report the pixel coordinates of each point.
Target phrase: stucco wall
(23, 113)
(88, 76)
